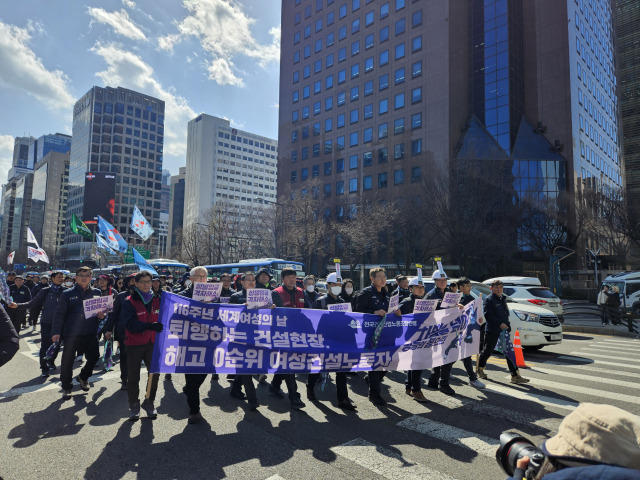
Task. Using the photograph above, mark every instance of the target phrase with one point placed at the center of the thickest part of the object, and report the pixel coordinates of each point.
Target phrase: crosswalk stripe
(615, 348)
(591, 369)
(599, 362)
(456, 436)
(531, 396)
(635, 399)
(625, 342)
(587, 378)
(608, 357)
(274, 477)
(494, 411)
(627, 353)
(385, 463)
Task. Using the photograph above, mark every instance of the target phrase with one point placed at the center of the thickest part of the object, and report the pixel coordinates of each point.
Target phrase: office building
(176, 207)
(120, 132)
(226, 165)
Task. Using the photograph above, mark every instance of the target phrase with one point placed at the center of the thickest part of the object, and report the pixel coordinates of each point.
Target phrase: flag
(505, 346)
(33, 254)
(31, 238)
(79, 228)
(10, 257)
(142, 263)
(43, 255)
(102, 244)
(111, 235)
(140, 225)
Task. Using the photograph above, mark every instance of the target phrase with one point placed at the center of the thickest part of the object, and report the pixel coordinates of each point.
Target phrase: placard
(450, 300)
(94, 306)
(339, 307)
(206, 292)
(259, 298)
(393, 303)
(422, 305)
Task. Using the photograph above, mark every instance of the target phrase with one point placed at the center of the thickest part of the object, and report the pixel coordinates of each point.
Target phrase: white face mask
(310, 288)
(349, 290)
(68, 284)
(336, 290)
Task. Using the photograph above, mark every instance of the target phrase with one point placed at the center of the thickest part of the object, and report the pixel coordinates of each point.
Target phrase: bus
(161, 265)
(113, 270)
(275, 266)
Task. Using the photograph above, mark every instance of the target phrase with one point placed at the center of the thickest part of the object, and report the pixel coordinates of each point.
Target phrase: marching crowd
(133, 323)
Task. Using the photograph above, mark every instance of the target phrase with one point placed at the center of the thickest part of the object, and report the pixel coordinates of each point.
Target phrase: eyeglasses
(83, 276)
(144, 282)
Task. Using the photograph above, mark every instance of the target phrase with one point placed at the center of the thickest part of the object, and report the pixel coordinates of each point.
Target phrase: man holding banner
(79, 329)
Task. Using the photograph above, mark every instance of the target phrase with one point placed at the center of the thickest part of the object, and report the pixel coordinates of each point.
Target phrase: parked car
(629, 285)
(530, 290)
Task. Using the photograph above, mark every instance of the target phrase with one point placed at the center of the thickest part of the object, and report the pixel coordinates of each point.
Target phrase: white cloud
(224, 31)
(119, 21)
(128, 70)
(6, 156)
(129, 3)
(22, 70)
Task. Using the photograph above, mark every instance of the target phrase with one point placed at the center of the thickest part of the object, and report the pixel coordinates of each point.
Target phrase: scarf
(146, 297)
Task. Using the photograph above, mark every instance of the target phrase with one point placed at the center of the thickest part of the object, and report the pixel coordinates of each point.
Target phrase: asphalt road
(88, 436)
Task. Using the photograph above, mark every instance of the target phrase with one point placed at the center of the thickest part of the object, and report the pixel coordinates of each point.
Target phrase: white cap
(333, 278)
(437, 275)
(414, 282)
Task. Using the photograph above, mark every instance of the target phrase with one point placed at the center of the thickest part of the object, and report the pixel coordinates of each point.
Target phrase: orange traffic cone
(518, 351)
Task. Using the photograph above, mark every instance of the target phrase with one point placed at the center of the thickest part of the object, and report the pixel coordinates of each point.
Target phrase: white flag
(10, 257)
(31, 238)
(43, 255)
(140, 225)
(33, 254)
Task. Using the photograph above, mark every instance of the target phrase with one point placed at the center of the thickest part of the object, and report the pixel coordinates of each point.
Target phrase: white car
(529, 290)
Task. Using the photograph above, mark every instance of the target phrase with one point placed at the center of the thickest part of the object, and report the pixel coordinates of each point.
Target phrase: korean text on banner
(258, 298)
(206, 292)
(94, 306)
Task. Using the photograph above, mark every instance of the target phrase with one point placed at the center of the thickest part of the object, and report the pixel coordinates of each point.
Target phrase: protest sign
(224, 299)
(450, 300)
(393, 303)
(94, 306)
(206, 292)
(232, 339)
(339, 307)
(422, 305)
(258, 298)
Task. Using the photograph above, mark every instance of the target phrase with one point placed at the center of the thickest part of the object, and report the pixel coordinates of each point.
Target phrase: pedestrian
(413, 383)
(34, 313)
(310, 293)
(9, 338)
(140, 315)
(78, 332)
(496, 315)
(403, 287)
(348, 291)
(288, 295)
(464, 285)
(226, 290)
(46, 301)
(332, 297)
(116, 325)
(11, 277)
(611, 306)
(119, 284)
(374, 299)
(20, 293)
(156, 286)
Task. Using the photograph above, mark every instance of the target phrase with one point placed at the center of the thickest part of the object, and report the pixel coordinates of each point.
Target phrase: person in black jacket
(403, 287)
(46, 301)
(9, 338)
(116, 326)
(496, 314)
(34, 313)
(20, 294)
(374, 299)
(464, 285)
(79, 333)
(226, 291)
(348, 291)
(310, 294)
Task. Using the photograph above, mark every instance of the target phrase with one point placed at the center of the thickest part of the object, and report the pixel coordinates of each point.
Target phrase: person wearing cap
(288, 295)
(156, 286)
(440, 376)
(496, 314)
(34, 313)
(29, 283)
(263, 278)
(11, 277)
(374, 300)
(46, 301)
(413, 383)
(332, 297)
(594, 441)
(77, 331)
(20, 294)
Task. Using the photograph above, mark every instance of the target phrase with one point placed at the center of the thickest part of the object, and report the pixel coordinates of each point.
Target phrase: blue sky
(220, 57)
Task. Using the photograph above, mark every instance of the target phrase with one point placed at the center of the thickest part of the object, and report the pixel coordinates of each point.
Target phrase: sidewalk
(583, 323)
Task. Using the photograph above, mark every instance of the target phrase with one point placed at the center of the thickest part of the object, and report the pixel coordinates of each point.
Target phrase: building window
(367, 159)
(400, 26)
(398, 126)
(399, 51)
(353, 162)
(383, 130)
(416, 69)
(398, 101)
(384, 34)
(355, 93)
(368, 41)
(340, 165)
(304, 174)
(353, 185)
(315, 172)
(382, 155)
(366, 183)
(382, 180)
(416, 121)
(416, 146)
(383, 106)
(353, 139)
(327, 168)
(416, 43)
(368, 111)
(399, 75)
(294, 176)
(398, 177)
(327, 190)
(398, 151)
(340, 187)
(367, 135)
(416, 95)
(355, 48)
(416, 174)
(416, 18)
(383, 82)
(353, 116)
(384, 57)
(342, 98)
(368, 64)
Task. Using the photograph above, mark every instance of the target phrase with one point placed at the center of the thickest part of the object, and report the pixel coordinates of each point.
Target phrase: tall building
(176, 207)
(121, 132)
(226, 165)
(166, 191)
(627, 16)
(47, 219)
(376, 96)
(21, 211)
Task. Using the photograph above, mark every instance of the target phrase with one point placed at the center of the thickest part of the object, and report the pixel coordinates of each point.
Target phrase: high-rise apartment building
(119, 131)
(375, 96)
(176, 207)
(226, 165)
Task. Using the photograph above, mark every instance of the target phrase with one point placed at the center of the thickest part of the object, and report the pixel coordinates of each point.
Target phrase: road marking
(609, 348)
(274, 477)
(635, 399)
(622, 353)
(484, 446)
(385, 463)
(621, 342)
(591, 369)
(55, 385)
(599, 362)
(531, 396)
(484, 408)
(587, 378)
(607, 357)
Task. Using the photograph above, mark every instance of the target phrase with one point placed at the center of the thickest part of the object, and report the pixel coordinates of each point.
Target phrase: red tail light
(538, 302)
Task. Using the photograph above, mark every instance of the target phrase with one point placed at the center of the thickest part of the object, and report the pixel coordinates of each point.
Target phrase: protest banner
(339, 307)
(94, 306)
(394, 303)
(232, 339)
(258, 298)
(450, 300)
(422, 305)
(224, 299)
(206, 292)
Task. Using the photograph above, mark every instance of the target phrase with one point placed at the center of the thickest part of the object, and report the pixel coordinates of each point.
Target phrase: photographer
(593, 442)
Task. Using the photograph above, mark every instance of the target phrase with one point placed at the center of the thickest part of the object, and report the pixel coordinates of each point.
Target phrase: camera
(512, 448)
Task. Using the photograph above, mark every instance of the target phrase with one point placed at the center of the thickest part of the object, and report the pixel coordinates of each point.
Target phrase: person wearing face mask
(348, 291)
(310, 294)
(68, 282)
(20, 294)
(334, 288)
(46, 301)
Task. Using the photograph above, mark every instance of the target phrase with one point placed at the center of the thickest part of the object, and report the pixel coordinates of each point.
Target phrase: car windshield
(541, 292)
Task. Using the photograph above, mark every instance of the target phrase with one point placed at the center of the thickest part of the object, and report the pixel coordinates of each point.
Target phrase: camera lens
(512, 448)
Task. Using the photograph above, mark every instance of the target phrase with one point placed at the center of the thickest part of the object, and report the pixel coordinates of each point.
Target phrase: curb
(598, 330)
